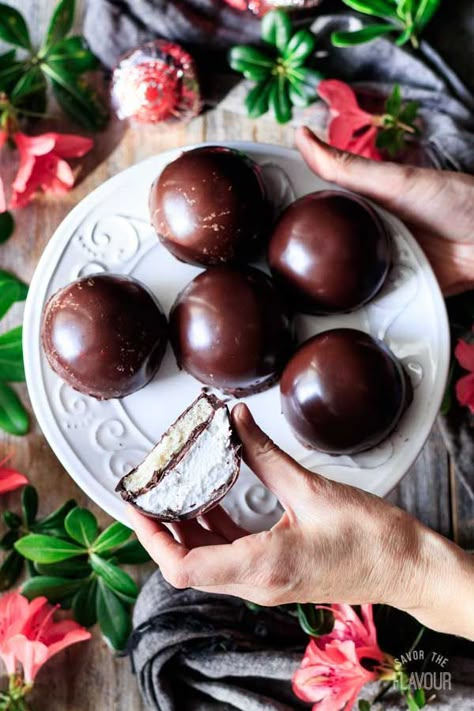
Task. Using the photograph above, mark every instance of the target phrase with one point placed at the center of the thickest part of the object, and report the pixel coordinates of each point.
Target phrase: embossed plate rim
(46, 270)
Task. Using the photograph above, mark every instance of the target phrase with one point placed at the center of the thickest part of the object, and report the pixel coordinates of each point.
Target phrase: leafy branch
(74, 564)
(406, 18)
(61, 59)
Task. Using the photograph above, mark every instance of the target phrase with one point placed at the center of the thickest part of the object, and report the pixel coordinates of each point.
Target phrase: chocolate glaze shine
(343, 392)
(104, 335)
(230, 329)
(330, 252)
(209, 207)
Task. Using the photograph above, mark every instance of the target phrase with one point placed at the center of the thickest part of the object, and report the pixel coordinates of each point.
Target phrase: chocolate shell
(191, 468)
(330, 252)
(230, 329)
(209, 207)
(104, 335)
(344, 392)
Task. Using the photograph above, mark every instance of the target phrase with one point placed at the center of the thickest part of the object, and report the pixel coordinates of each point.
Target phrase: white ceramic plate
(97, 442)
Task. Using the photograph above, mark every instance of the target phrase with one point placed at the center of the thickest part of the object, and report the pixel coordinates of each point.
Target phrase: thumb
(405, 190)
(276, 469)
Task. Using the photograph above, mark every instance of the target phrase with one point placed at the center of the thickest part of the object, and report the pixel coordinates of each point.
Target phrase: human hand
(333, 543)
(438, 206)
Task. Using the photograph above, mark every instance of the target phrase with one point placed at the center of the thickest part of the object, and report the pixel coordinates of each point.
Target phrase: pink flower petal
(3, 138)
(464, 354)
(3, 202)
(67, 145)
(34, 145)
(341, 129)
(10, 479)
(31, 655)
(79, 634)
(465, 391)
(365, 146)
(13, 610)
(338, 95)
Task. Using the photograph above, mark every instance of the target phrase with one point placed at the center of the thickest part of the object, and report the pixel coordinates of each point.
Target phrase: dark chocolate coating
(230, 329)
(330, 252)
(209, 207)
(343, 392)
(104, 335)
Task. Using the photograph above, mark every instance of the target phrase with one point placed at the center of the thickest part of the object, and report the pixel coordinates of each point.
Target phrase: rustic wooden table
(87, 677)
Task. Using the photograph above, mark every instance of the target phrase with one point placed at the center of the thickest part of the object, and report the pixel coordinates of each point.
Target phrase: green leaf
(364, 705)
(10, 570)
(72, 55)
(313, 621)
(113, 617)
(276, 29)
(8, 540)
(132, 553)
(113, 576)
(11, 356)
(251, 62)
(113, 536)
(55, 589)
(367, 34)
(406, 35)
(29, 504)
(55, 520)
(82, 526)
(379, 8)
(79, 100)
(45, 549)
(13, 416)
(31, 82)
(394, 102)
(11, 519)
(426, 11)
(13, 27)
(299, 48)
(256, 101)
(280, 100)
(411, 703)
(7, 58)
(7, 225)
(11, 290)
(308, 79)
(409, 112)
(84, 604)
(420, 697)
(71, 568)
(60, 24)
(10, 75)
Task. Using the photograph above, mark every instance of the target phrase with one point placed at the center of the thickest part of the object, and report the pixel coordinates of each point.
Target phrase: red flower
(29, 636)
(465, 386)
(10, 479)
(332, 673)
(42, 165)
(350, 129)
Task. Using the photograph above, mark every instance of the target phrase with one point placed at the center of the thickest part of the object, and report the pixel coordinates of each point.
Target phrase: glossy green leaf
(11, 290)
(61, 23)
(46, 549)
(132, 553)
(13, 416)
(55, 520)
(367, 34)
(71, 568)
(55, 589)
(8, 540)
(409, 112)
(13, 27)
(314, 622)
(84, 604)
(379, 8)
(257, 99)
(394, 101)
(77, 98)
(11, 519)
(72, 55)
(10, 570)
(10, 75)
(405, 36)
(299, 48)
(7, 58)
(82, 526)
(113, 536)
(426, 11)
(29, 504)
(11, 356)
(276, 29)
(280, 100)
(31, 82)
(420, 698)
(307, 78)
(113, 576)
(364, 705)
(253, 63)
(298, 97)
(113, 617)
(7, 226)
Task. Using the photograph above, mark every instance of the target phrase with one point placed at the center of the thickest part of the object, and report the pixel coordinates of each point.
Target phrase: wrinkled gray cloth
(195, 651)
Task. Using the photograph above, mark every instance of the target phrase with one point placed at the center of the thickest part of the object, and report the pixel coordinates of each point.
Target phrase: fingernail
(240, 413)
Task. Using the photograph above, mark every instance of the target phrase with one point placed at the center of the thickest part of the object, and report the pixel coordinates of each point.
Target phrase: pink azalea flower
(332, 672)
(351, 128)
(42, 164)
(464, 354)
(3, 202)
(10, 479)
(29, 635)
